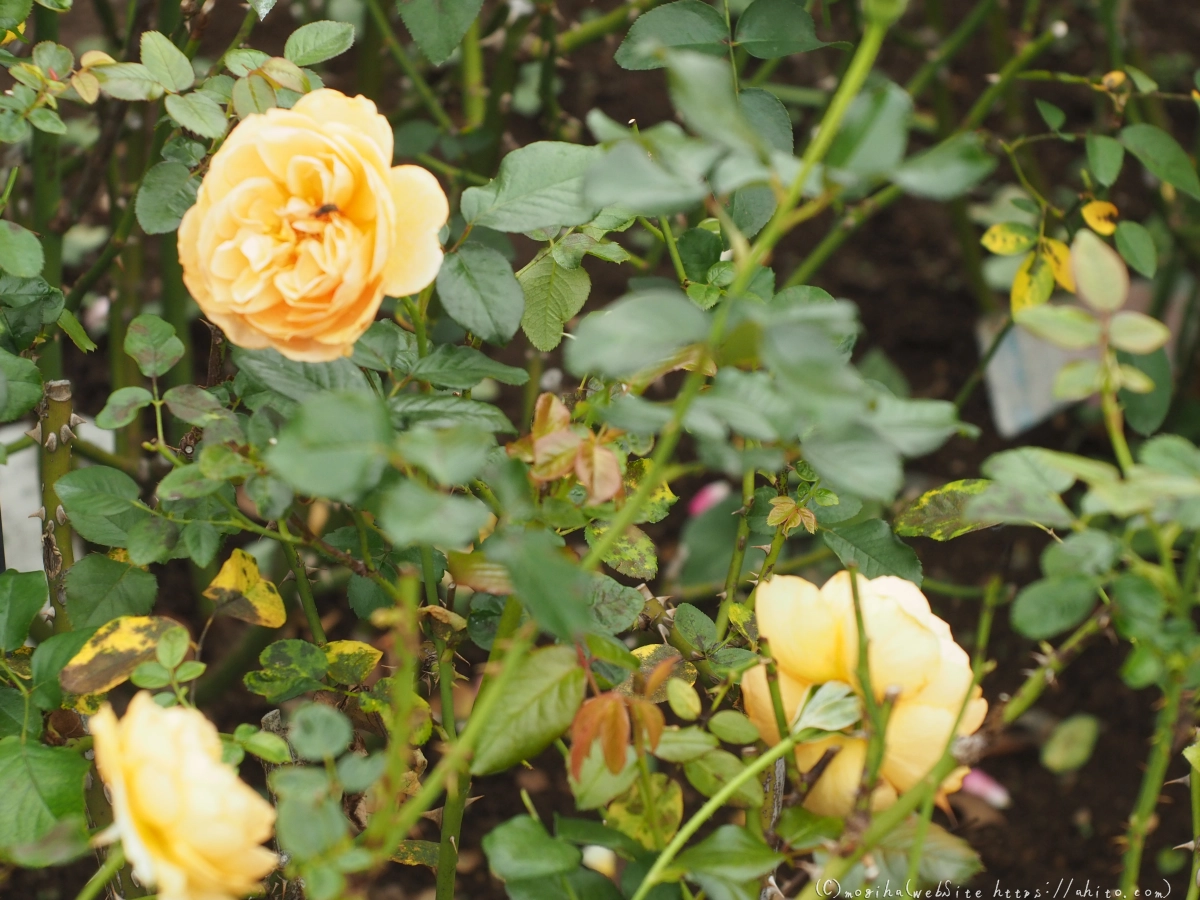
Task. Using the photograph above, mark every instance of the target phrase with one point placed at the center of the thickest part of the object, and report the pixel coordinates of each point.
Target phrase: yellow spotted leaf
(417, 853)
(1114, 80)
(1009, 238)
(1033, 284)
(1101, 217)
(650, 825)
(1059, 256)
(112, 653)
(655, 509)
(350, 662)
(241, 592)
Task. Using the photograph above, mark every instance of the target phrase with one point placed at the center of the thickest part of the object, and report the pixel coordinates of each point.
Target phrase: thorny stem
(875, 712)
(1029, 692)
(1194, 791)
(1152, 782)
(105, 874)
(58, 548)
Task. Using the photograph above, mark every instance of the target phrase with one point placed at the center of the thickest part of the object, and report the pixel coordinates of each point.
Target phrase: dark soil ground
(904, 272)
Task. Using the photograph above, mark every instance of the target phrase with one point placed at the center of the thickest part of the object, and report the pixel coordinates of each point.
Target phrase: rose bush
(187, 824)
(813, 636)
(302, 225)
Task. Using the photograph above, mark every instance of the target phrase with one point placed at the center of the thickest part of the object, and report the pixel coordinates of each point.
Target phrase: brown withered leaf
(604, 717)
(597, 469)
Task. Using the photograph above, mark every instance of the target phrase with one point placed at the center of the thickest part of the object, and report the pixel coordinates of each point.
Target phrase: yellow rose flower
(813, 635)
(188, 825)
(302, 225)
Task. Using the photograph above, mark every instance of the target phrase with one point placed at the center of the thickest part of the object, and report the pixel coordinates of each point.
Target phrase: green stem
(949, 589)
(673, 250)
(1194, 790)
(474, 94)
(968, 388)
(918, 844)
(601, 26)
(709, 809)
(734, 575)
(97, 883)
(1152, 782)
(708, 588)
(404, 61)
(871, 705)
(1114, 422)
(304, 589)
(47, 195)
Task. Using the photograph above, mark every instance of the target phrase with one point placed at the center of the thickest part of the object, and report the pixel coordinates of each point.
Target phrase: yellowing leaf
(475, 571)
(651, 826)
(1101, 217)
(241, 592)
(1113, 81)
(1059, 256)
(350, 662)
(112, 653)
(650, 656)
(1033, 283)
(1009, 238)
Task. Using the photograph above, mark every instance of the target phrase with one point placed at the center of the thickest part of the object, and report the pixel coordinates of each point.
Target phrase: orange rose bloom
(302, 225)
(813, 635)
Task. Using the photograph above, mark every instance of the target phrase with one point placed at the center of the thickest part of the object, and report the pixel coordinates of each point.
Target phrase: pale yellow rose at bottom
(302, 225)
(813, 635)
(189, 826)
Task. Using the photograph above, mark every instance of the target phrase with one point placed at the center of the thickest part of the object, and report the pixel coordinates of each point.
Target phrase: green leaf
(832, 707)
(1101, 279)
(198, 113)
(947, 170)
(22, 595)
(521, 848)
(197, 406)
(1071, 743)
(555, 591)
(1136, 247)
(411, 513)
(614, 606)
(941, 513)
(48, 661)
(640, 331)
(20, 386)
(650, 816)
(38, 786)
(717, 768)
(298, 380)
(100, 589)
(386, 346)
(13, 13)
(1088, 552)
(1070, 327)
(128, 81)
(1105, 157)
(153, 345)
(1051, 606)
(1145, 413)
(479, 291)
(168, 191)
(703, 95)
(72, 329)
(318, 41)
(553, 296)
(598, 786)
(873, 547)
(152, 540)
(539, 706)
(538, 186)
(855, 461)
(874, 133)
(123, 406)
(334, 446)
(20, 250)
(732, 853)
(626, 176)
(262, 7)
(683, 25)
(252, 94)
(680, 745)
(946, 859)
(357, 773)
(803, 830)
(438, 26)
(166, 62)
(1136, 332)
(769, 29)
(462, 368)
(317, 731)
(732, 727)
(441, 411)
(1051, 115)
(101, 504)
(289, 669)
(451, 455)
(16, 718)
(1162, 157)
